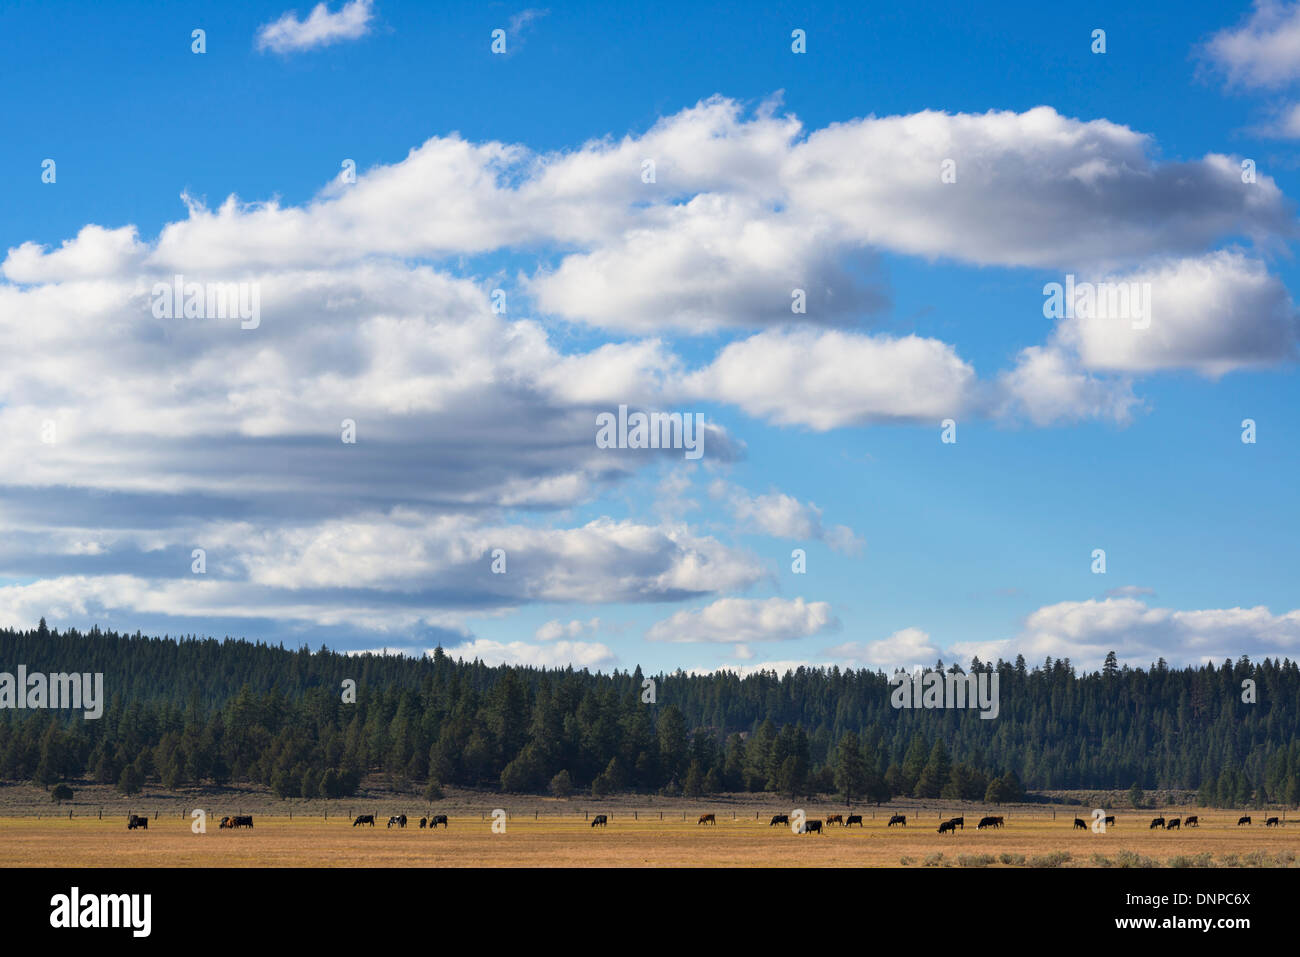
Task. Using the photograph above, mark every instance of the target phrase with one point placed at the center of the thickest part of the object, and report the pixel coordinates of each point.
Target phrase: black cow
(1272, 822)
(136, 820)
(853, 819)
(708, 819)
(1110, 820)
(245, 820)
(1174, 824)
(959, 822)
(364, 819)
(1156, 822)
(947, 826)
(999, 821)
(779, 819)
(436, 820)
(986, 822)
(1080, 824)
(898, 819)
(1242, 820)
(1192, 821)
(424, 822)
(600, 819)
(812, 827)
(398, 819)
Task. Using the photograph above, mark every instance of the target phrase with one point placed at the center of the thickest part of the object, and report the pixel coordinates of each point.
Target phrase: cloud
(555, 629)
(1264, 51)
(907, 648)
(743, 621)
(321, 28)
(783, 516)
(1047, 387)
(827, 379)
(1086, 630)
(559, 654)
(1212, 314)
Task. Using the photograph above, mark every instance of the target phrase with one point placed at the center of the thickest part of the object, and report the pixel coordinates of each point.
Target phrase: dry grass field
(565, 841)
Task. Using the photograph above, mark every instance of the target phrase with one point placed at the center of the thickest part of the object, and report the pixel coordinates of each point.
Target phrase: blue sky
(523, 171)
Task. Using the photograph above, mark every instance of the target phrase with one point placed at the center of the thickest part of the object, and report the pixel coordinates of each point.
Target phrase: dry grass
(570, 841)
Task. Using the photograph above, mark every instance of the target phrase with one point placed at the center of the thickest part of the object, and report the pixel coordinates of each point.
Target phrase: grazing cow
(1110, 820)
(364, 819)
(1242, 820)
(898, 819)
(136, 820)
(707, 819)
(245, 820)
(835, 819)
(1272, 822)
(779, 819)
(986, 822)
(959, 822)
(1192, 821)
(999, 821)
(436, 820)
(424, 822)
(854, 819)
(812, 827)
(1174, 824)
(1156, 822)
(600, 819)
(1080, 824)
(947, 826)
(398, 819)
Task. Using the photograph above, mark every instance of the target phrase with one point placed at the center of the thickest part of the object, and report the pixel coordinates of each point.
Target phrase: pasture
(570, 840)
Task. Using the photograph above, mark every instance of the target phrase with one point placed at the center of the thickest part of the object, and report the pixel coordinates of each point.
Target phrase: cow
(707, 819)
(225, 822)
(245, 820)
(779, 819)
(1156, 822)
(1080, 824)
(854, 819)
(424, 822)
(1192, 821)
(959, 822)
(835, 819)
(436, 820)
(898, 819)
(398, 819)
(986, 822)
(947, 826)
(364, 819)
(600, 819)
(1174, 824)
(1110, 820)
(812, 827)
(1243, 820)
(136, 820)
(999, 821)
(1272, 822)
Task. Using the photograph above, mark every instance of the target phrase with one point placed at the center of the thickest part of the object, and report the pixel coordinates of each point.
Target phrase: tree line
(188, 710)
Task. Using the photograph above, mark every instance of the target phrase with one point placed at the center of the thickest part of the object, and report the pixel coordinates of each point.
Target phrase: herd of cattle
(399, 820)
(949, 826)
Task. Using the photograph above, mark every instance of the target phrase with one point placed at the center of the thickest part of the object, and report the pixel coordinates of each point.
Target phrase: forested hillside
(183, 711)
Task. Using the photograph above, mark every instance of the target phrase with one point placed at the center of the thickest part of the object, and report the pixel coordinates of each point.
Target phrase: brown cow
(707, 819)
(835, 819)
